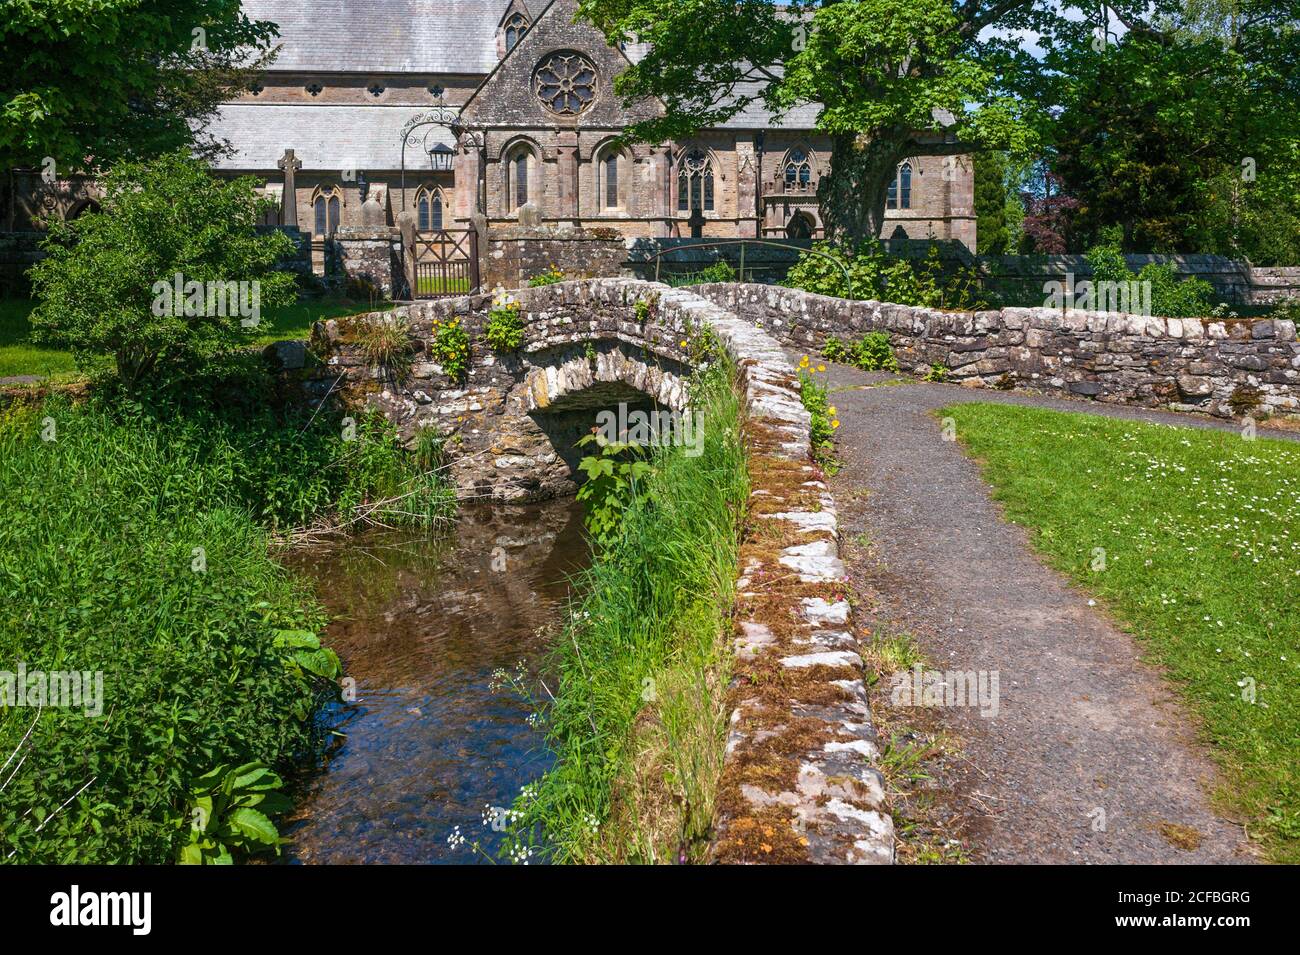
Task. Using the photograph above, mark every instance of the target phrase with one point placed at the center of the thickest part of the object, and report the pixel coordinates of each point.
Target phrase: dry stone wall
(1184, 364)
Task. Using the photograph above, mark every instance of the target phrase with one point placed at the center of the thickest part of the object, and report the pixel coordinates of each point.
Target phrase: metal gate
(445, 263)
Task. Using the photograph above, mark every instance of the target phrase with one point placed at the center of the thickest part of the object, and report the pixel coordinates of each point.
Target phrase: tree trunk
(852, 193)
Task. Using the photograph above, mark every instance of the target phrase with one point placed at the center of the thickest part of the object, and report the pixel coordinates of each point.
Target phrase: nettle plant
(505, 326)
(616, 478)
(450, 348)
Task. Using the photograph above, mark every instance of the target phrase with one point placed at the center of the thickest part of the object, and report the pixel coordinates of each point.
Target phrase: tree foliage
(1172, 133)
(96, 286)
(1143, 102)
(86, 83)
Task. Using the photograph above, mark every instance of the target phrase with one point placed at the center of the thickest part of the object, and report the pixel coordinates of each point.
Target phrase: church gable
(560, 73)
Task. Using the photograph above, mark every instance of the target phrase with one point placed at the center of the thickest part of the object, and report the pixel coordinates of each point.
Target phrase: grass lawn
(1201, 539)
(19, 357)
(442, 285)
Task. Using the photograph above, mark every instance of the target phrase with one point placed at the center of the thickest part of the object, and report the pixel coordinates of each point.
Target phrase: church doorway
(800, 226)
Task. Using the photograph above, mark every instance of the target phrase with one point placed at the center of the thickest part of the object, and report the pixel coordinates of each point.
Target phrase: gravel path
(1082, 724)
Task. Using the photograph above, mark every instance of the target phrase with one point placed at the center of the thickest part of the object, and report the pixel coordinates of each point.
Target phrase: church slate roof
(323, 136)
(383, 36)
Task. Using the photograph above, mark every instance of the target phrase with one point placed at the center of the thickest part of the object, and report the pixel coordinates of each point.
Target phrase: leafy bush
(450, 348)
(96, 287)
(505, 327)
(875, 274)
(1170, 297)
(719, 271)
(871, 352)
(1287, 310)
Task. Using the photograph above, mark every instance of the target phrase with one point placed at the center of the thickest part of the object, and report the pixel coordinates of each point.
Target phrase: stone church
(450, 108)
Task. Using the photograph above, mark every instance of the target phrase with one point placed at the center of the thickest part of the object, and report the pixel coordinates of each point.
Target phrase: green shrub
(875, 274)
(871, 352)
(719, 271)
(1170, 297)
(1287, 310)
(450, 348)
(105, 286)
(505, 327)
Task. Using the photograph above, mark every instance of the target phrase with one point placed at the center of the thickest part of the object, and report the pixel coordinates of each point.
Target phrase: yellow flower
(683, 343)
(832, 410)
(804, 362)
(835, 424)
(821, 367)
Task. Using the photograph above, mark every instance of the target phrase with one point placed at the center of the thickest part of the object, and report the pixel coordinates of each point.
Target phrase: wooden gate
(445, 263)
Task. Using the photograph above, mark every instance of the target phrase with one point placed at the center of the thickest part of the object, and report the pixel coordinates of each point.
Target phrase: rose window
(566, 83)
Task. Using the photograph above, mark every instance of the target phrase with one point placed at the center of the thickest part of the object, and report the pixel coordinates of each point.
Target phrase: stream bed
(421, 623)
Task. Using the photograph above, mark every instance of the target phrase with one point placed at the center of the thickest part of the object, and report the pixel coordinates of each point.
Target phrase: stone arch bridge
(512, 422)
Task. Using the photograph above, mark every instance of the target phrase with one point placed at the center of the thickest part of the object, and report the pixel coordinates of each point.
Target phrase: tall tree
(992, 203)
(893, 78)
(86, 82)
(1170, 130)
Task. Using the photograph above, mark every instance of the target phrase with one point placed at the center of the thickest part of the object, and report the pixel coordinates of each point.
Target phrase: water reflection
(421, 625)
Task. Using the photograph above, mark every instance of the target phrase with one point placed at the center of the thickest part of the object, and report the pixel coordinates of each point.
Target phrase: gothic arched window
(428, 209)
(899, 193)
(611, 181)
(327, 205)
(516, 26)
(798, 170)
(695, 181)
